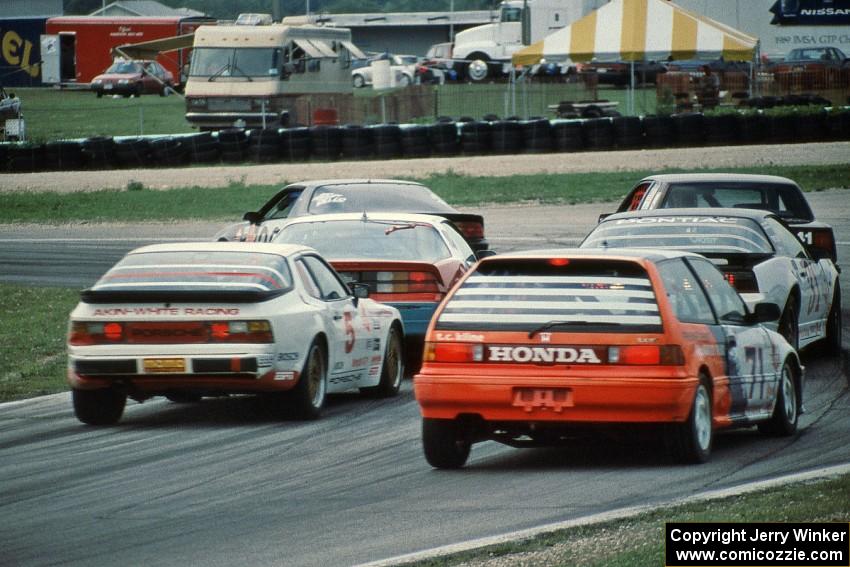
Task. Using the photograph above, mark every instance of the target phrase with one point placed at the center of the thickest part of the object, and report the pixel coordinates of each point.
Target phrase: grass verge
(137, 204)
(33, 323)
(640, 540)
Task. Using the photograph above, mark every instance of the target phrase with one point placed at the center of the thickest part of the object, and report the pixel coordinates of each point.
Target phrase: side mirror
(603, 216)
(252, 217)
(359, 290)
(765, 313)
(481, 254)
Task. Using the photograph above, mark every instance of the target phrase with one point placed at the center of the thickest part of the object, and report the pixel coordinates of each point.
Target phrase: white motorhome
(489, 47)
(251, 75)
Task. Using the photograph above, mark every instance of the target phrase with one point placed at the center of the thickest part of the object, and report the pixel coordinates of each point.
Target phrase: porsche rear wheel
(691, 441)
(308, 396)
(99, 407)
(444, 443)
(392, 369)
(783, 422)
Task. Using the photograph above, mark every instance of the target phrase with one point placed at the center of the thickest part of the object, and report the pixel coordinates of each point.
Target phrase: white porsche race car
(217, 318)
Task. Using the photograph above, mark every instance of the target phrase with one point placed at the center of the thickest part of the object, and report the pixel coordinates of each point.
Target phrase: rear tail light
(742, 281)
(471, 229)
(453, 352)
(169, 332)
(643, 355)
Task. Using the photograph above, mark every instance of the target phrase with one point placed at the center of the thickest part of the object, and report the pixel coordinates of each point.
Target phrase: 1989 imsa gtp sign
(190, 320)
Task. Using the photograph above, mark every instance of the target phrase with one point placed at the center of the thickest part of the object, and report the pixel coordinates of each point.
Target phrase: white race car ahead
(218, 318)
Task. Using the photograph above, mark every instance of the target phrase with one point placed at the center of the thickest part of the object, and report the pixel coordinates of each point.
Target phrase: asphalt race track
(224, 482)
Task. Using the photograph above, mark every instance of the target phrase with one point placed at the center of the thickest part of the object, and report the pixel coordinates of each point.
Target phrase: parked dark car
(812, 59)
(351, 196)
(619, 72)
(133, 78)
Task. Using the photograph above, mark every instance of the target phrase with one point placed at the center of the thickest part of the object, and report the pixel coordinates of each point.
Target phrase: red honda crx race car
(531, 347)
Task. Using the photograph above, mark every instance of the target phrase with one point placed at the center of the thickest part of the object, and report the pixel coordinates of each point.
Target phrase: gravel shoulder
(219, 176)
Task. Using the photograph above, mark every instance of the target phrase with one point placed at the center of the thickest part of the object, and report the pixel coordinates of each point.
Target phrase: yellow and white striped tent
(641, 30)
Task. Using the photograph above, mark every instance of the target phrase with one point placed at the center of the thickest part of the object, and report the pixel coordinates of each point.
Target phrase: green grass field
(53, 114)
(119, 204)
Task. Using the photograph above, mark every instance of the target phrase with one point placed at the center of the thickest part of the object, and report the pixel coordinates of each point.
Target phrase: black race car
(350, 196)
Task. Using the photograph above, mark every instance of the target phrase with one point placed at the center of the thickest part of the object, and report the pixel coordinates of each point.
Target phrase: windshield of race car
(785, 200)
(379, 240)
(355, 198)
(538, 295)
(703, 234)
(197, 271)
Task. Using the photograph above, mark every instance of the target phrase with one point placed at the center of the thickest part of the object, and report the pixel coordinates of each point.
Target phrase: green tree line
(229, 9)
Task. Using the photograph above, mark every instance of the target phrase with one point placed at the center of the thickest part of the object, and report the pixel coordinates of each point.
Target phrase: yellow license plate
(164, 365)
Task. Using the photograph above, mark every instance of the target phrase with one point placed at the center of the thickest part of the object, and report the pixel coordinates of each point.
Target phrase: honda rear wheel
(445, 444)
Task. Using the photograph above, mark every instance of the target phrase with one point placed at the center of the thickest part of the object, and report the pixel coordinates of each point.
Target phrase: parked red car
(133, 78)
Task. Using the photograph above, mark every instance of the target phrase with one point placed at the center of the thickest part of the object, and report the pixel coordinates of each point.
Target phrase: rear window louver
(587, 302)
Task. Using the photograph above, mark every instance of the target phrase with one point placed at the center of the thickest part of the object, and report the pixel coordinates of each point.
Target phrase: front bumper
(499, 397)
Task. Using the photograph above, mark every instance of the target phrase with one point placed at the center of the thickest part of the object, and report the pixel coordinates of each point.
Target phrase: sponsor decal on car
(537, 354)
(673, 220)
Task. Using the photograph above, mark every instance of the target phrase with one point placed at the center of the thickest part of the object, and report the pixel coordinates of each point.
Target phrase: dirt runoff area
(280, 174)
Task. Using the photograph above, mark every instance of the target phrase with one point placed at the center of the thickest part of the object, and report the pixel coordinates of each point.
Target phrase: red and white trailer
(75, 49)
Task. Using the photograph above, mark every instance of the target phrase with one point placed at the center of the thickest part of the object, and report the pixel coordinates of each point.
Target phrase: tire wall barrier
(445, 137)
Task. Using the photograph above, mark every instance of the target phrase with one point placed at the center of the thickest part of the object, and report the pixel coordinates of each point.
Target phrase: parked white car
(402, 66)
(216, 318)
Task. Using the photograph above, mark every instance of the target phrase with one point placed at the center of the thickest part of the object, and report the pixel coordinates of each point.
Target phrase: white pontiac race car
(217, 318)
(758, 255)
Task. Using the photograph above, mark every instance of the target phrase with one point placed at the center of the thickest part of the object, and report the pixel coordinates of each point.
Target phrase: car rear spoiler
(818, 238)
(218, 296)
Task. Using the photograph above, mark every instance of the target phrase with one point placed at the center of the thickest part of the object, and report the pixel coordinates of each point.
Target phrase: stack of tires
(233, 145)
(387, 141)
(689, 128)
(567, 136)
(264, 145)
(133, 152)
(752, 128)
(628, 132)
(357, 142)
(169, 151)
(326, 142)
(295, 144)
(506, 137)
(537, 135)
(201, 148)
(415, 141)
(99, 152)
(25, 158)
(722, 129)
(444, 138)
(658, 131)
(598, 133)
(811, 126)
(63, 155)
(475, 137)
